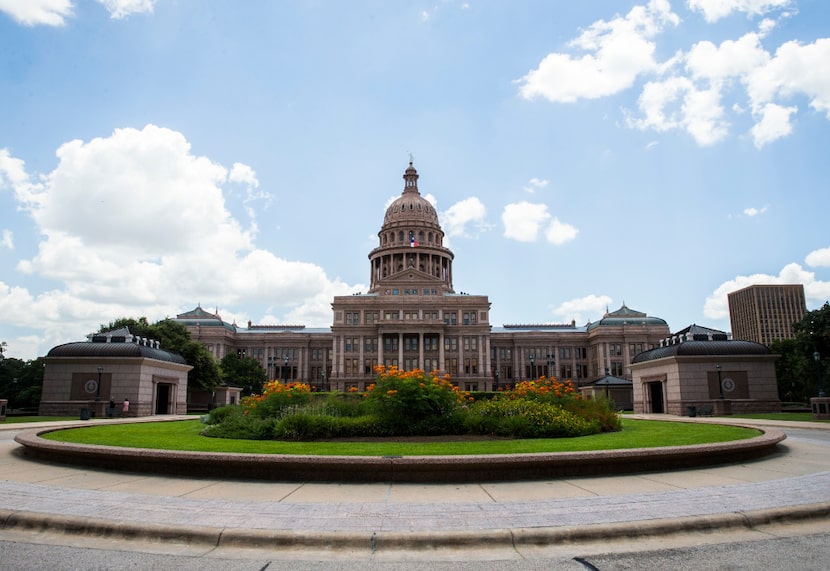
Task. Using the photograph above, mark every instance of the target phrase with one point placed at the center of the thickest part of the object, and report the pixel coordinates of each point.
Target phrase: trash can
(85, 413)
(692, 410)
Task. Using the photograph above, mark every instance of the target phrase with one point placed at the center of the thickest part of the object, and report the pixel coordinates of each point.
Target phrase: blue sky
(159, 154)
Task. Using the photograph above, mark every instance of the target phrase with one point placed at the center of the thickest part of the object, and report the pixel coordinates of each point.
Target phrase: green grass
(184, 435)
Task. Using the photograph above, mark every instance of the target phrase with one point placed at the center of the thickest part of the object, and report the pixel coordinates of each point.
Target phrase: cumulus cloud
(615, 53)
(136, 224)
(752, 211)
(120, 9)
(714, 10)
(56, 12)
(6, 240)
(535, 184)
(458, 217)
(525, 221)
(583, 309)
(818, 258)
(686, 91)
(38, 12)
(815, 291)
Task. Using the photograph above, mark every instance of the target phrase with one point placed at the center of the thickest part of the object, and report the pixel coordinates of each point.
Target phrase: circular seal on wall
(728, 385)
(91, 386)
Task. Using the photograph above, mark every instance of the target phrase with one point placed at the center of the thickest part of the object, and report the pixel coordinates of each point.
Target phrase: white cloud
(38, 12)
(714, 10)
(818, 258)
(686, 91)
(752, 211)
(523, 220)
(119, 9)
(454, 220)
(535, 184)
(583, 309)
(558, 232)
(135, 224)
(6, 240)
(774, 123)
(815, 291)
(617, 52)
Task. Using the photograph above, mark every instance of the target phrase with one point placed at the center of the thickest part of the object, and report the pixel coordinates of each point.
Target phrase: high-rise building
(761, 313)
(412, 317)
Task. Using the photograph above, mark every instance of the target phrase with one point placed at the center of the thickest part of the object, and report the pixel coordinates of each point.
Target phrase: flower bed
(413, 403)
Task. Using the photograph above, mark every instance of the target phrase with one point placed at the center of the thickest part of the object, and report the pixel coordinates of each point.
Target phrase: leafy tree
(175, 337)
(20, 381)
(244, 372)
(797, 371)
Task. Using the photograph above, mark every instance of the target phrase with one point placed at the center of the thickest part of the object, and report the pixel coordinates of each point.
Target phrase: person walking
(125, 408)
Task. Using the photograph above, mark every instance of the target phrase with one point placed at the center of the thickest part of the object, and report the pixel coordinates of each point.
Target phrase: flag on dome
(412, 241)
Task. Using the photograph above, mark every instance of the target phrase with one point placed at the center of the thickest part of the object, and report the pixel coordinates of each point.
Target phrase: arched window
(400, 236)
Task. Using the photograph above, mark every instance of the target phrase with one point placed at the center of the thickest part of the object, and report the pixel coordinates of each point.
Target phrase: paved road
(499, 522)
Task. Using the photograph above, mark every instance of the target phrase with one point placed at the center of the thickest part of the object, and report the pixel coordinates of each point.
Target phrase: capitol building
(413, 317)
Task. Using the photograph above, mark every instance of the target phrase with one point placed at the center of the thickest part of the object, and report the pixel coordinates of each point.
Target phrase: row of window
(450, 317)
(410, 343)
(451, 365)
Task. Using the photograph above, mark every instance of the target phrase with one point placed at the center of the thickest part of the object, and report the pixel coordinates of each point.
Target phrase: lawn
(792, 416)
(184, 435)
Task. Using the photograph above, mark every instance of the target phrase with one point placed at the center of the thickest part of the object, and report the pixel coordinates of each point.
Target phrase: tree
(797, 370)
(20, 381)
(245, 372)
(175, 337)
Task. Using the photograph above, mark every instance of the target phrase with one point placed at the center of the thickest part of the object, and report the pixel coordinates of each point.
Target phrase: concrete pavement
(507, 518)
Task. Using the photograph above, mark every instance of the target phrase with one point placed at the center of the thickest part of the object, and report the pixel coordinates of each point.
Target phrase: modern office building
(761, 313)
(413, 317)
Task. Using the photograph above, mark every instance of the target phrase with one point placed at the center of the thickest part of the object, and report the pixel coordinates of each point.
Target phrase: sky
(156, 155)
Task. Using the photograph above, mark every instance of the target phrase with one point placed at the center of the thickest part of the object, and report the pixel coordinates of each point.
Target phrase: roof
(701, 348)
(611, 381)
(626, 316)
(109, 350)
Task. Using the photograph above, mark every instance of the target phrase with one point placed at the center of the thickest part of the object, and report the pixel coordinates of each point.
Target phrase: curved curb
(504, 538)
(421, 469)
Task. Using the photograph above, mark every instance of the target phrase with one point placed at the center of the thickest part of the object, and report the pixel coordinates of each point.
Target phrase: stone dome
(411, 207)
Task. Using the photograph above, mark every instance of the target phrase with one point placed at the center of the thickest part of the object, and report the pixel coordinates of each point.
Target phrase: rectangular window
(451, 344)
(564, 352)
(391, 314)
(470, 343)
(450, 317)
(369, 366)
(410, 342)
(451, 366)
(390, 342)
(470, 366)
(371, 317)
(370, 344)
(430, 342)
(469, 318)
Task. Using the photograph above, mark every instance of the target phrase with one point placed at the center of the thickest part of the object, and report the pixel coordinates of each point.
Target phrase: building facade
(412, 317)
(761, 313)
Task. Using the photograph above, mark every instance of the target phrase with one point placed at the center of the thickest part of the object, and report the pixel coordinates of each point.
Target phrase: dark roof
(88, 349)
(611, 381)
(626, 316)
(689, 348)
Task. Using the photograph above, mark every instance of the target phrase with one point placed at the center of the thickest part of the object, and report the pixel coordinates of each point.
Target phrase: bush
(234, 423)
(522, 418)
(276, 397)
(412, 401)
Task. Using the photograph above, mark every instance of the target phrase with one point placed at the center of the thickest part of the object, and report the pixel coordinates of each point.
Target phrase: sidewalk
(789, 486)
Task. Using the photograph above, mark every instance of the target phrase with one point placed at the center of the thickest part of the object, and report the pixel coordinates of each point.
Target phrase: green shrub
(412, 401)
(523, 418)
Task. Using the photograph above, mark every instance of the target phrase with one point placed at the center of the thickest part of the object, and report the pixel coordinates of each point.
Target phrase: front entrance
(162, 398)
(655, 393)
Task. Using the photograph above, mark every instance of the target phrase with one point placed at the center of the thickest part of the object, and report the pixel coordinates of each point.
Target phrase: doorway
(162, 398)
(655, 393)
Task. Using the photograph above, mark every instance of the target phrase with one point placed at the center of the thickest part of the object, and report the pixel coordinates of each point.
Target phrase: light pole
(324, 387)
(98, 388)
(817, 359)
(532, 358)
(551, 365)
(720, 384)
(285, 360)
(497, 380)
